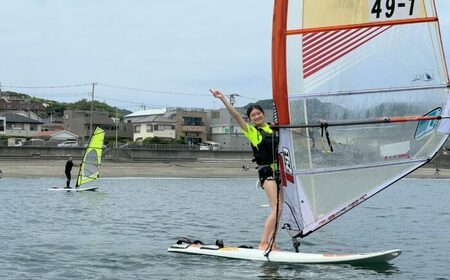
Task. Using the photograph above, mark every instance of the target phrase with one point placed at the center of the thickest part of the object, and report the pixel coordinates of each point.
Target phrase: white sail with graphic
(361, 91)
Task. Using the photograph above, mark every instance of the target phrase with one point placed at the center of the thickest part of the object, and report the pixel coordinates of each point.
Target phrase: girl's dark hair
(252, 107)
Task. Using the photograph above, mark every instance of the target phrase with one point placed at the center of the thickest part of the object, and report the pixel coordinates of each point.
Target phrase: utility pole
(117, 133)
(117, 125)
(92, 108)
(232, 101)
(29, 108)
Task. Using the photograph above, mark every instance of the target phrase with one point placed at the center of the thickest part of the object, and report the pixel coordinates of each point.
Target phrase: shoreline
(202, 168)
(207, 168)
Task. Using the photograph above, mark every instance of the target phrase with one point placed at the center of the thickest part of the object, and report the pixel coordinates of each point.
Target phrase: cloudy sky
(143, 52)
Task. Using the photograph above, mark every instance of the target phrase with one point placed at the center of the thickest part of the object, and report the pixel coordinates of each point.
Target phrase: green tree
(54, 109)
(154, 140)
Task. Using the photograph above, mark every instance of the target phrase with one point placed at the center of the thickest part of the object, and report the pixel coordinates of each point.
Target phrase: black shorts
(265, 173)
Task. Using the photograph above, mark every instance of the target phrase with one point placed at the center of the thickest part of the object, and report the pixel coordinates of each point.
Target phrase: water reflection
(269, 270)
(382, 268)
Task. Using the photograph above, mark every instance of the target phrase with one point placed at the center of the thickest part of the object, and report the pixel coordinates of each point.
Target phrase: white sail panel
(328, 195)
(384, 55)
(363, 144)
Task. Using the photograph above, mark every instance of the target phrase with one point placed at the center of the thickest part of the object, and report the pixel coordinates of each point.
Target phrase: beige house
(153, 126)
(187, 124)
(133, 117)
(191, 124)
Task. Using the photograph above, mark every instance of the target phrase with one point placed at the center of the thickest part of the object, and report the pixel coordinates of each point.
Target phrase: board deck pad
(248, 253)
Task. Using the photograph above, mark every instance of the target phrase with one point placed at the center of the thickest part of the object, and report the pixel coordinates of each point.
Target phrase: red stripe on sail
(320, 55)
(330, 38)
(334, 48)
(311, 38)
(310, 54)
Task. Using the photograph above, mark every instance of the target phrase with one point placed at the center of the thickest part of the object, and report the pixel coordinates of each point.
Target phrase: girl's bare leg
(270, 187)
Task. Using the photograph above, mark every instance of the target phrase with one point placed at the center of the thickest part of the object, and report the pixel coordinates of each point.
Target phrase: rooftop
(147, 113)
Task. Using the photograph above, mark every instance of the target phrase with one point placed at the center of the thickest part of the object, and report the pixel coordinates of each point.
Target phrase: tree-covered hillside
(56, 109)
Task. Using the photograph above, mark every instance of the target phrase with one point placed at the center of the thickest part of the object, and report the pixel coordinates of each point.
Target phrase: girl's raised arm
(242, 123)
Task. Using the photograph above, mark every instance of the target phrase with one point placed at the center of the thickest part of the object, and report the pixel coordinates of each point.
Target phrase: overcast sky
(152, 52)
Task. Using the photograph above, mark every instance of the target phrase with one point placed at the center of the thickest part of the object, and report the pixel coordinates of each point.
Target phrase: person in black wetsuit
(69, 165)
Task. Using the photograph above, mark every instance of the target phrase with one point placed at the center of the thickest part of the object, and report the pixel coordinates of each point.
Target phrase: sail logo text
(425, 77)
(395, 157)
(343, 210)
(287, 164)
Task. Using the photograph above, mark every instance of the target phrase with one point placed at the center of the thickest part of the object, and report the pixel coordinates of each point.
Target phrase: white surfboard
(73, 189)
(281, 256)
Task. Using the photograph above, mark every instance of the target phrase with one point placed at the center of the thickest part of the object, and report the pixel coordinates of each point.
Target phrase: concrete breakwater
(35, 162)
(441, 160)
(122, 154)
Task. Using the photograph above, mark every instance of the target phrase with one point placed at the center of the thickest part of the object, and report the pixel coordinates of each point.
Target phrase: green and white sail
(92, 159)
(372, 75)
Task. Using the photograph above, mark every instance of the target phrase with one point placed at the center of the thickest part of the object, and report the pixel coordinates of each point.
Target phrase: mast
(279, 74)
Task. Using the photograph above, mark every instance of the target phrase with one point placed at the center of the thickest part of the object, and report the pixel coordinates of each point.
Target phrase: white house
(56, 135)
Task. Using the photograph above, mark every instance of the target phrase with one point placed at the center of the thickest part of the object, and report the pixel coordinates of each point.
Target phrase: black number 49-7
(389, 7)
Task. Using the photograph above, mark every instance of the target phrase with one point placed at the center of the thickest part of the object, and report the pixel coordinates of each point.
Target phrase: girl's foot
(266, 246)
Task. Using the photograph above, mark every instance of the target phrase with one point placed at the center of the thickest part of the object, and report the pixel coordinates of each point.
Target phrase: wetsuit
(69, 165)
(264, 147)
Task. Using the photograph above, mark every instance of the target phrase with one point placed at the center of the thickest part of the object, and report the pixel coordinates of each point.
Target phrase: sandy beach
(39, 168)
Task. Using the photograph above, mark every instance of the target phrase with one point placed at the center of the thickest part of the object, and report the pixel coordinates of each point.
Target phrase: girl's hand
(217, 94)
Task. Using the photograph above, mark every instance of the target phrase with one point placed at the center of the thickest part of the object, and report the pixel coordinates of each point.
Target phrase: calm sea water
(123, 231)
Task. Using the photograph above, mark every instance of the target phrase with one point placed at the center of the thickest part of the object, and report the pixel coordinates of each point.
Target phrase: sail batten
(297, 96)
(362, 99)
(358, 167)
(358, 26)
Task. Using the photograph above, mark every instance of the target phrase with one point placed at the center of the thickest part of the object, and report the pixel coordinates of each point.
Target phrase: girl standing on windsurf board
(264, 148)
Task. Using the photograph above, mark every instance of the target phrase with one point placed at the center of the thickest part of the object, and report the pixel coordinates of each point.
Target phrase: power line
(32, 87)
(72, 94)
(130, 102)
(153, 91)
(58, 94)
(163, 92)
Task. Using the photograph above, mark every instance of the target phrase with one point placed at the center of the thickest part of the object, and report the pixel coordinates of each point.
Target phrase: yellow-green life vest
(263, 142)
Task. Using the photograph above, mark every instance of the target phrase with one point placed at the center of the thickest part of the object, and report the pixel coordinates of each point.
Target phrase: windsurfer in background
(260, 136)
(68, 170)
